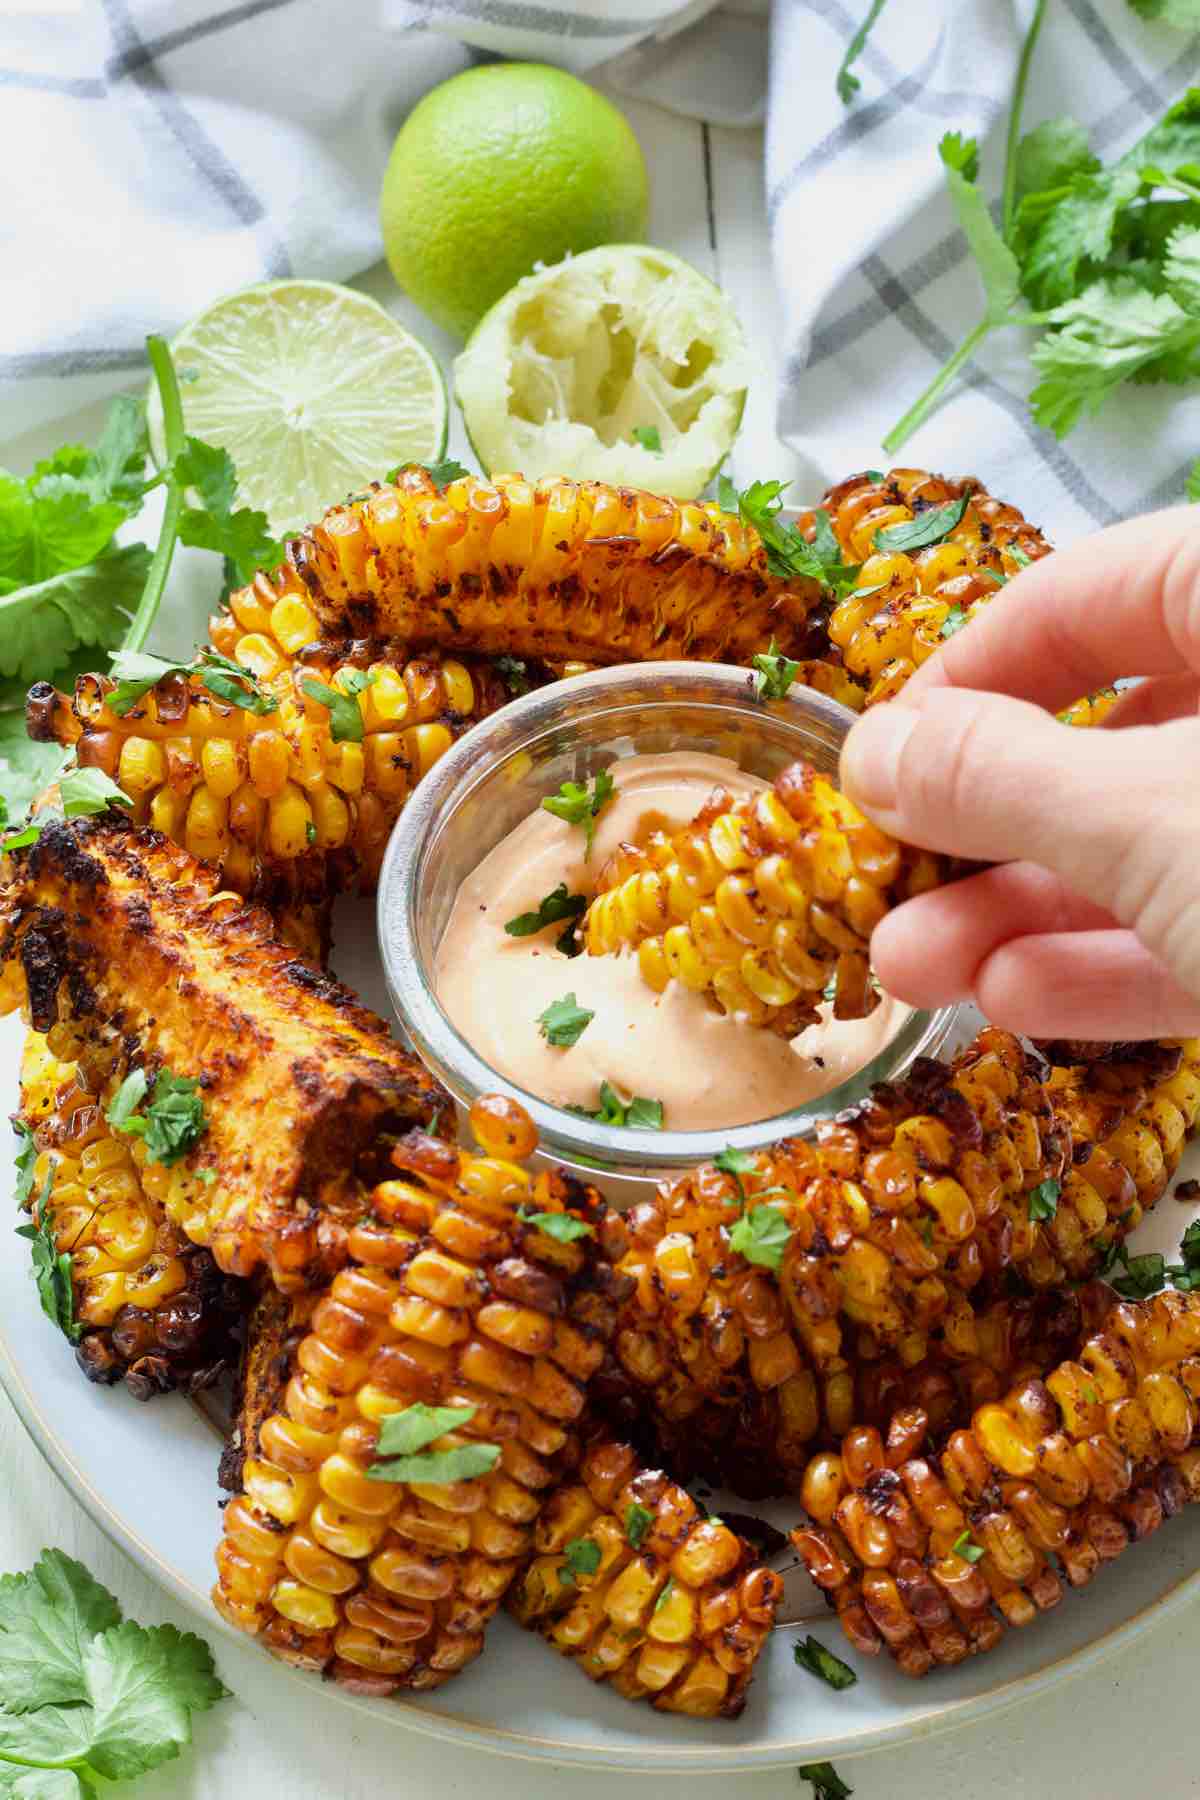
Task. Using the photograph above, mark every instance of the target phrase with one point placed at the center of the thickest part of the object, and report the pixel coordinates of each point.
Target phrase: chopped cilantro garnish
(925, 528)
(580, 1557)
(1043, 1201)
(172, 1122)
(552, 908)
(649, 437)
(579, 803)
(773, 673)
(52, 1274)
(345, 714)
(827, 1784)
(638, 1520)
(564, 1022)
(761, 1235)
(811, 1654)
(562, 1226)
(964, 1547)
(404, 1435)
(639, 1114)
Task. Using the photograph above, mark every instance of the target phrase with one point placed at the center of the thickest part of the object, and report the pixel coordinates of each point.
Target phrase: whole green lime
(499, 169)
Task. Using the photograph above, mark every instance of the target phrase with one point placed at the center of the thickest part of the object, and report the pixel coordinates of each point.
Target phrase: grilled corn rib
(764, 901)
(933, 1556)
(123, 946)
(633, 1582)
(905, 604)
(288, 812)
(555, 570)
(449, 1298)
(897, 1226)
(154, 1309)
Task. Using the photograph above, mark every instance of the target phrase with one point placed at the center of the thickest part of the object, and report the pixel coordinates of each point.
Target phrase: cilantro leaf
(787, 550)
(564, 1022)
(43, 623)
(1142, 1277)
(1043, 1201)
(137, 672)
(563, 1227)
(827, 1784)
(29, 767)
(44, 1784)
(51, 1268)
(438, 1468)
(638, 1520)
(1051, 155)
(551, 909)
(667, 1590)
(25, 1158)
(438, 472)
(114, 469)
(639, 1114)
(964, 1547)
(581, 804)
(649, 437)
(242, 537)
(404, 1433)
(811, 1654)
(171, 1124)
(47, 1617)
(580, 1557)
(514, 674)
(997, 266)
(142, 1687)
(84, 792)
(954, 621)
(1186, 1275)
(345, 715)
(846, 83)
(925, 528)
(773, 673)
(1183, 14)
(761, 1235)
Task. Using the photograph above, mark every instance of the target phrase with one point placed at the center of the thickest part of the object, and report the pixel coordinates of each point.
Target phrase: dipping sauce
(708, 1070)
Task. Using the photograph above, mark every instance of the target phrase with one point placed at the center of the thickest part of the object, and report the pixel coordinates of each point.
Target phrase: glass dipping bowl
(496, 776)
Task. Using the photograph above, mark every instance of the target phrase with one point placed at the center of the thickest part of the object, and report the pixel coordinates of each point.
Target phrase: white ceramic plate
(147, 1476)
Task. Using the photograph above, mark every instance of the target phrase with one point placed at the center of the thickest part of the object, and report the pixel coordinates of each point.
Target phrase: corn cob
(905, 606)
(675, 1609)
(764, 901)
(448, 1298)
(286, 812)
(155, 1310)
(1068, 1471)
(124, 947)
(902, 1221)
(556, 570)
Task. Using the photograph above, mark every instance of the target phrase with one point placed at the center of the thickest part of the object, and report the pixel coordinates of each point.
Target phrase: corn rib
(124, 947)
(155, 1311)
(633, 1582)
(767, 902)
(933, 1556)
(903, 1226)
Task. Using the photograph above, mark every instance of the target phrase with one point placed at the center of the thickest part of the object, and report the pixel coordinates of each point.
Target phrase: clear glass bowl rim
(521, 725)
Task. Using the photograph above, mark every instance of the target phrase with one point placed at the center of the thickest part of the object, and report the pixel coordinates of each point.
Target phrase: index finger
(1123, 602)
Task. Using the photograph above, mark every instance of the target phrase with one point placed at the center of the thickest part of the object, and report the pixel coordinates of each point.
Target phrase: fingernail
(870, 765)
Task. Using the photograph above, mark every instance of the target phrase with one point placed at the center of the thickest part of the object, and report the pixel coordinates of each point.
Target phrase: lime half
(624, 364)
(312, 388)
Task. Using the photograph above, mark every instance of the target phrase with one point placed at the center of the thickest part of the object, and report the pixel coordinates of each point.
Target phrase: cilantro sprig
(82, 793)
(1103, 259)
(51, 1270)
(638, 1114)
(773, 673)
(581, 803)
(23, 1162)
(136, 672)
(846, 83)
(552, 909)
(172, 1122)
(86, 1695)
(788, 551)
(761, 1235)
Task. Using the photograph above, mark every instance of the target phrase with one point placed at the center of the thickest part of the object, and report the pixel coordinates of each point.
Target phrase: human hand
(1090, 926)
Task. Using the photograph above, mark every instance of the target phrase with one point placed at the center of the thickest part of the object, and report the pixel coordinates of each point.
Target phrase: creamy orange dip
(708, 1070)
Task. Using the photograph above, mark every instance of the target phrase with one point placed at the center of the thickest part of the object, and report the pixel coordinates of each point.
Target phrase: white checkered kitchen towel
(158, 153)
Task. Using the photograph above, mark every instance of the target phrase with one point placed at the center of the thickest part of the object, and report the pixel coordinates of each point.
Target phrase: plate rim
(935, 1721)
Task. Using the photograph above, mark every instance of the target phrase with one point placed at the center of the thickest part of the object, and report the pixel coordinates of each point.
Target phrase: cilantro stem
(919, 411)
(164, 550)
(1014, 119)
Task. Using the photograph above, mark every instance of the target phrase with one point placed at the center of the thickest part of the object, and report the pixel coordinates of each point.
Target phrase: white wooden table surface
(1128, 1728)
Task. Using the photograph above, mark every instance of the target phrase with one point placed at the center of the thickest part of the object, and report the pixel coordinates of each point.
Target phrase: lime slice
(313, 390)
(623, 364)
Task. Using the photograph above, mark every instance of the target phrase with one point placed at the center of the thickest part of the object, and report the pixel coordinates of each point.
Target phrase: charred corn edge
(932, 1559)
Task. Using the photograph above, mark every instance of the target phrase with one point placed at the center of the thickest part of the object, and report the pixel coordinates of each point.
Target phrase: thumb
(1115, 813)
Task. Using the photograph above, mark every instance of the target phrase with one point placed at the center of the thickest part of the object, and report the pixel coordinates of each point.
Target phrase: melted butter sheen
(708, 1070)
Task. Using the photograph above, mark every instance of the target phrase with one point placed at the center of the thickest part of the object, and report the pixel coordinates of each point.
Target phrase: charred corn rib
(635, 1584)
(556, 570)
(155, 1310)
(893, 1232)
(124, 947)
(286, 811)
(932, 1556)
(907, 603)
(449, 1298)
(764, 901)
